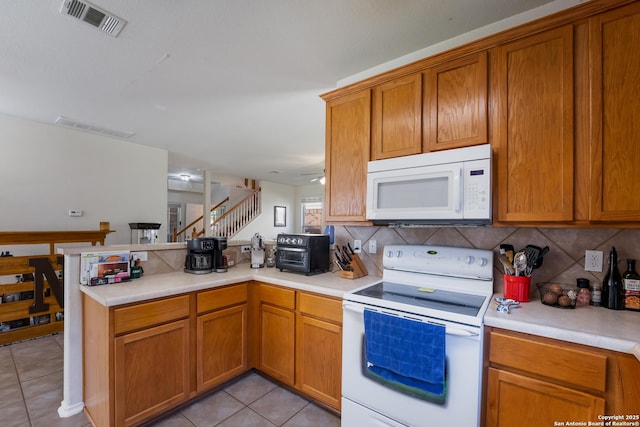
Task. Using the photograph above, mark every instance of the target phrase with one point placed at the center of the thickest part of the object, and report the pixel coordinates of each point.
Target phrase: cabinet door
(532, 97)
(455, 103)
(514, 399)
(151, 371)
(221, 346)
(277, 338)
(319, 360)
(615, 61)
(347, 151)
(397, 118)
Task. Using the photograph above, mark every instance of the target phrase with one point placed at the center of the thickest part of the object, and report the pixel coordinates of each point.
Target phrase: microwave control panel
(477, 188)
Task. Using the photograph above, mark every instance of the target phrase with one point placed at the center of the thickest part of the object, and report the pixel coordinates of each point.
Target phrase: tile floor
(31, 392)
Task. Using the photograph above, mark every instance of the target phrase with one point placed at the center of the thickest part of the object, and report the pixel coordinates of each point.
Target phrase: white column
(206, 204)
(72, 402)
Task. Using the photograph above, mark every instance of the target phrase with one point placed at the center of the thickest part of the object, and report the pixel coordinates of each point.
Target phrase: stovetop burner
(437, 299)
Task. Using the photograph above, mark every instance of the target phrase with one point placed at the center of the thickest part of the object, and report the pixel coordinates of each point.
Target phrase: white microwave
(442, 187)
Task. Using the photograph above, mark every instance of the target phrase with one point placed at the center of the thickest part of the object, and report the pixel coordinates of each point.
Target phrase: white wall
(46, 170)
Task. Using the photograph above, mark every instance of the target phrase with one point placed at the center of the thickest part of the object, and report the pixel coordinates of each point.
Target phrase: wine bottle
(631, 280)
(612, 288)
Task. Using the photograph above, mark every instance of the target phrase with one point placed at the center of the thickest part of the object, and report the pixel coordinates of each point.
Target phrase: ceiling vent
(94, 16)
(70, 123)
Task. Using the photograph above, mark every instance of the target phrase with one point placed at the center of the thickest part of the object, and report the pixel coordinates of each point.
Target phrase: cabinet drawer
(223, 297)
(150, 313)
(561, 361)
(318, 306)
(285, 298)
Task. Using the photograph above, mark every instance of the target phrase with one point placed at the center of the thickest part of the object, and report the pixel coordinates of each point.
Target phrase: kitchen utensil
(520, 263)
(345, 253)
(507, 250)
(542, 253)
(506, 264)
(350, 248)
(505, 304)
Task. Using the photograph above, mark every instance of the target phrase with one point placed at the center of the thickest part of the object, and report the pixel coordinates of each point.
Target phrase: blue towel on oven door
(408, 354)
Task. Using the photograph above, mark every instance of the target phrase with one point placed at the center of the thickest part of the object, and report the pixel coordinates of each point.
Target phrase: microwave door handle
(457, 190)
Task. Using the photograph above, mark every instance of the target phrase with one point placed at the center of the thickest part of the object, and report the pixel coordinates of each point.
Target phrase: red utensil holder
(517, 287)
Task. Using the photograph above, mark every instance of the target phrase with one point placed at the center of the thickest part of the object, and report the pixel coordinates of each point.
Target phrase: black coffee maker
(219, 245)
(200, 255)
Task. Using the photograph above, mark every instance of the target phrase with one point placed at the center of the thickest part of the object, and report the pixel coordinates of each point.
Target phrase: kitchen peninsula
(176, 301)
(284, 295)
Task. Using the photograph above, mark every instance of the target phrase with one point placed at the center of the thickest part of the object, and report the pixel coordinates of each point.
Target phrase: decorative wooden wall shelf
(33, 305)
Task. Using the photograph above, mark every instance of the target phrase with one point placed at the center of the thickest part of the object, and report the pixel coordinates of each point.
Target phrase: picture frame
(279, 216)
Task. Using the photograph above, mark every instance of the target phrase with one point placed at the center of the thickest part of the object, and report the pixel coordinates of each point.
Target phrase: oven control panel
(440, 260)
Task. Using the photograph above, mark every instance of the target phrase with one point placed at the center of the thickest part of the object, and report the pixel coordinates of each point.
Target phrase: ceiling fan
(317, 176)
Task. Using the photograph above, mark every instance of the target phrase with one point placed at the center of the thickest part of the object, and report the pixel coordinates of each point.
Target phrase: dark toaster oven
(304, 253)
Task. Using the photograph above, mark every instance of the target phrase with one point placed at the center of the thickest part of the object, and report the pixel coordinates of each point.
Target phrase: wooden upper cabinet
(455, 103)
(615, 89)
(397, 118)
(532, 119)
(347, 152)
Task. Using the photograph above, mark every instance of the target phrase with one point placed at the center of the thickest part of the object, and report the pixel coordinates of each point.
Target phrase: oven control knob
(482, 262)
(469, 260)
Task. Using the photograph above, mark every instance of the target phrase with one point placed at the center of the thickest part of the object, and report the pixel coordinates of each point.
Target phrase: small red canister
(517, 287)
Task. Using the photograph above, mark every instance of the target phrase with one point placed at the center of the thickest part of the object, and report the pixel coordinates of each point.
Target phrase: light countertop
(617, 330)
(163, 285)
(593, 326)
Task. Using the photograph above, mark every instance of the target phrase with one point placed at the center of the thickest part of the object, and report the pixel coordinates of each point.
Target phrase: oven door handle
(451, 330)
(292, 249)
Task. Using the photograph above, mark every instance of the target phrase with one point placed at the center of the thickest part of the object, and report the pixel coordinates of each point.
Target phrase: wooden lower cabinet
(136, 359)
(151, 371)
(143, 359)
(535, 381)
(515, 399)
(221, 335)
(319, 348)
(277, 333)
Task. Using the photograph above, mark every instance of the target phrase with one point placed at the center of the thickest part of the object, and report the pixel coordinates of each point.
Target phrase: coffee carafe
(199, 259)
(220, 244)
(257, 251)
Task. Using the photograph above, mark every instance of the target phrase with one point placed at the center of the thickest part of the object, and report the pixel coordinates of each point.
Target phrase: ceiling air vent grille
(76, 8)
(70, 123)
(86, 12)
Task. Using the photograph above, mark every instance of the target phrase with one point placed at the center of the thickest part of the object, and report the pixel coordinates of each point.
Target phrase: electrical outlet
(593, 261)
(357, 246)
(142, 256)
(373, 246)
(245, 249)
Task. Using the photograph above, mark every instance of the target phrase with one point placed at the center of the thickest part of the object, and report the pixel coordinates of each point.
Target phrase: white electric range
(446, 287)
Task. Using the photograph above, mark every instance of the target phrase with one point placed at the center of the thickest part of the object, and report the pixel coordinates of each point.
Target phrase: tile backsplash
(564, 263)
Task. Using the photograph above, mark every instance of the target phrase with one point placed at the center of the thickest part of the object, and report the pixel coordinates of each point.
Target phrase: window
(312, 215)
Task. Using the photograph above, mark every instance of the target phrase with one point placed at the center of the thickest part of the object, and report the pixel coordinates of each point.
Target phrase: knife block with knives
(357, 269)
(349, 263)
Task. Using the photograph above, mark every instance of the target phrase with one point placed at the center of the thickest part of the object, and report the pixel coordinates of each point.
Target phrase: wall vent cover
(74, 124)
(86, 12)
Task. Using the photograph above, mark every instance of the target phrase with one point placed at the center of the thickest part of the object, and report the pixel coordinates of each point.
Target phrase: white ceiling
(230, 86)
